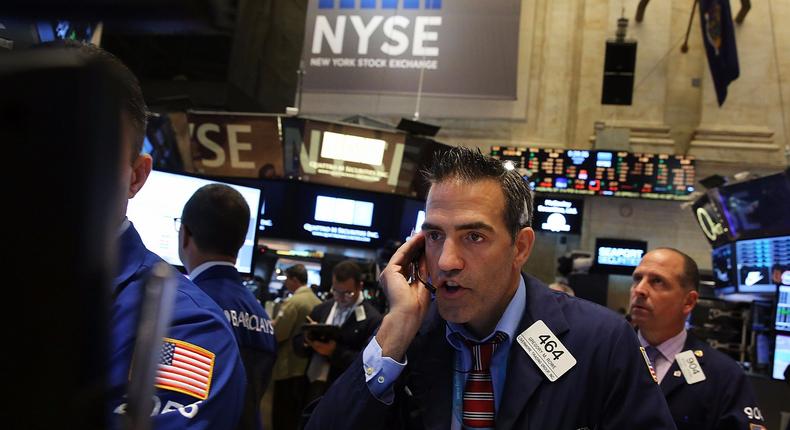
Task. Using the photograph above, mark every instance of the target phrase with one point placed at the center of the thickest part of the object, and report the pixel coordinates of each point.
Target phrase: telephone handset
(415, 271)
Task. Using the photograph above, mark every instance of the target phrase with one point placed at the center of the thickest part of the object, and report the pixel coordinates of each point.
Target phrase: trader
(704, 388)
(199, 343)
(494, 348)
(214, 224)
(357, 320)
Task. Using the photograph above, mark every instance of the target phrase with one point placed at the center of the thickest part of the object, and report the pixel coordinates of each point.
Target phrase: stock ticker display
(604, 173)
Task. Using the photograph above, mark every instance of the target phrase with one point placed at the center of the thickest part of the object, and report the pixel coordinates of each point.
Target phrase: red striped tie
(479, 391)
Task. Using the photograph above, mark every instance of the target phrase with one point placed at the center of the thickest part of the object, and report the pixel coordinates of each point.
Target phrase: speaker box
(618, 73)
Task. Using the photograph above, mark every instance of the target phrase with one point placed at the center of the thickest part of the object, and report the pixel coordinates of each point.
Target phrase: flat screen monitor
(782, 312)
(154, 209)
(558, 215)
(278, 280)
(603, 173)
(352, 156)
(49, 31)
(761, 263)
(412, 217)
(342, 216)
(618, 256)
(757, 208)
(274, 209)
(781, 356)
(724, 268)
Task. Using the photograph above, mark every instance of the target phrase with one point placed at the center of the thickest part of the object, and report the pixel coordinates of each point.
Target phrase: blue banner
(718, 35)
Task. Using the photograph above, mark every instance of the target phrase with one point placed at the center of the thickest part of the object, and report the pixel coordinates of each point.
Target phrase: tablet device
(321, 332)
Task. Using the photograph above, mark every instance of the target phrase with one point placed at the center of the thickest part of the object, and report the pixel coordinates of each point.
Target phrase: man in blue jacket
(200, 378)
(705, 389)
(214, 225)
(491, 348)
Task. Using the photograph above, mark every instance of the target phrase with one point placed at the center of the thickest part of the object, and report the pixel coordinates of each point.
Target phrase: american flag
(185, 368)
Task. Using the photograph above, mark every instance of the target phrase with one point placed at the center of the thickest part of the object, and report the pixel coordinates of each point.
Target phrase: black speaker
(618, 73)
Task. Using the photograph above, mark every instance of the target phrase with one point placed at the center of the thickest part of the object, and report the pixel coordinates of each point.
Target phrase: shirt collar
(507, 324)
(337, 308)
(205, 266)
(124, 226)
(670, 347)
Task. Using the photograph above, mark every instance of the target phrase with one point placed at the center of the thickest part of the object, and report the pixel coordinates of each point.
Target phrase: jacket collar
(523, 377)
(218, 271)
(131, 256)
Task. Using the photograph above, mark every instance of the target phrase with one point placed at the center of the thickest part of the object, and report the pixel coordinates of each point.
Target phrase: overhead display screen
(325, 214)
(351, 156)
(618, 256)
(756, 208)
(604, 173)
(554, 215)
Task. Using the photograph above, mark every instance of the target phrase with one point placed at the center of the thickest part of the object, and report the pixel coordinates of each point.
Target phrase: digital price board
(605, 173)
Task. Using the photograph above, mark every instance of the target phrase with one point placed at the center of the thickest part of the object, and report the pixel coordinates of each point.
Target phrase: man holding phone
(492, 347)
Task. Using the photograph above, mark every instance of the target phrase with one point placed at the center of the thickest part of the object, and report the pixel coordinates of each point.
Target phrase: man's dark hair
(470, 165)
(690, 273)
(129, 89)
(217, 217)
(346, 270)
(298, 272)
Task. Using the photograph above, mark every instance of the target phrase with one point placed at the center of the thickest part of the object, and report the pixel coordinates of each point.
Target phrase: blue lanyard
(459, 380)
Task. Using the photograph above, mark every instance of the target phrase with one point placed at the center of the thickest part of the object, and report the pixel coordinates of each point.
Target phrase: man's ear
(690, 301)
(141, 168)
(525, 239)
(184, 236)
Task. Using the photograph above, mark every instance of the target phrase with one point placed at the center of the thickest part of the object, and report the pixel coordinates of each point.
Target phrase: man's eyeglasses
(346, 294)
(177, 224)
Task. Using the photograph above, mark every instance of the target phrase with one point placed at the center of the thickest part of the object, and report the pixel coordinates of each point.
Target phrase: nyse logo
(393, 35)
(383, 4)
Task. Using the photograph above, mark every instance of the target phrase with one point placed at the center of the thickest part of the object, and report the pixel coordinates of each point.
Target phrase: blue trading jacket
(610, 386)
(723, 401)
(253, 330)
(200, 384)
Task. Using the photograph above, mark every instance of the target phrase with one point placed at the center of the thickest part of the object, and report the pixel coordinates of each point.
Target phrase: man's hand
(408, 302)
(324, 348)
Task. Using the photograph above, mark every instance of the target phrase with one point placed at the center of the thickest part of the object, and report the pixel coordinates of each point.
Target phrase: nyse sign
(463, 47)
(235, 145)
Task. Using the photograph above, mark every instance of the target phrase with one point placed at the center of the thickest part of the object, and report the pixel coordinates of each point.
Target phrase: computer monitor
(154, 209)
(781, 355)
(761, 264)
(277, 282)
(618, 256)
(412, 217)
(782, 311)
(343, 216)
(723, 267)
(756, 208)
(558, 215)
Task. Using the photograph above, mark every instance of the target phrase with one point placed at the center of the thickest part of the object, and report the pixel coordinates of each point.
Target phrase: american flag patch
(185, 368)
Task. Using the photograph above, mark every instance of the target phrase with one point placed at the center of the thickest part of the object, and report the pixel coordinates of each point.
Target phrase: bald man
(704, 388)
